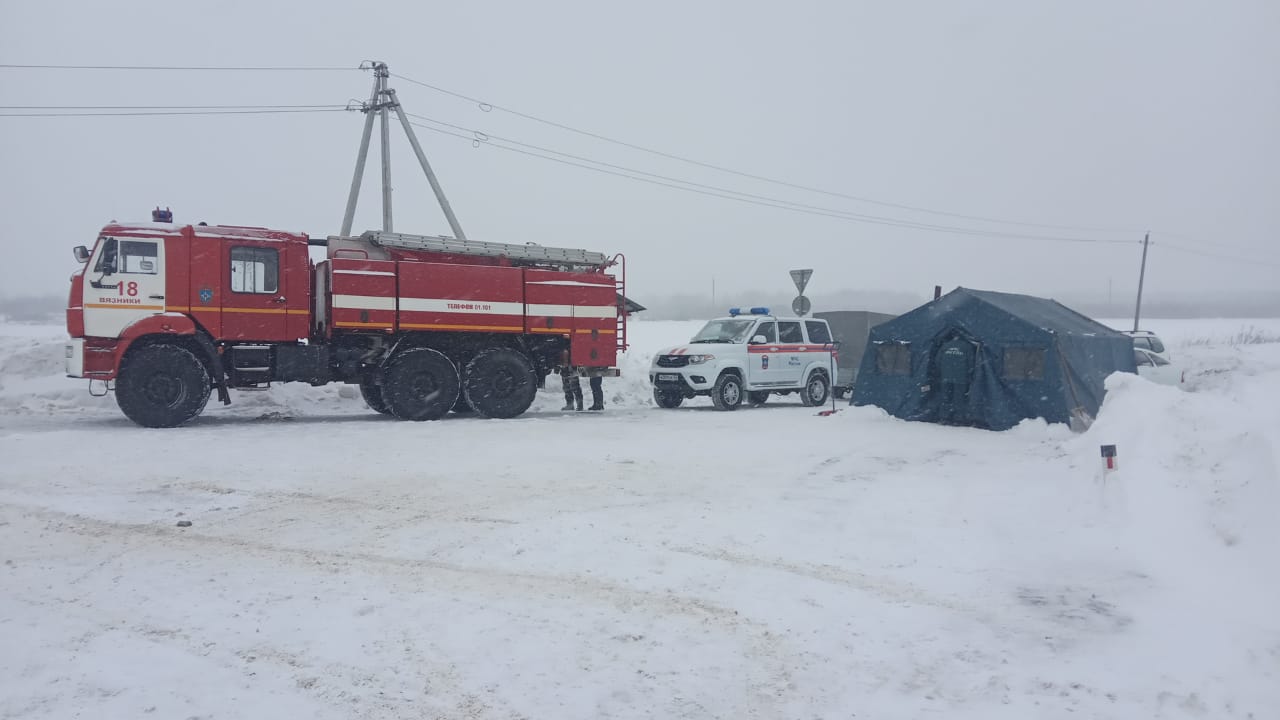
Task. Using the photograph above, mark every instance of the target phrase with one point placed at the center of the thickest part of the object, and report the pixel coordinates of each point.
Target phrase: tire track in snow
(883, 588)
(769, 660)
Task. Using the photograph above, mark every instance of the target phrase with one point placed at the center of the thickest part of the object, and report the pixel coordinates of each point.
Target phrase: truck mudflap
(215, 362)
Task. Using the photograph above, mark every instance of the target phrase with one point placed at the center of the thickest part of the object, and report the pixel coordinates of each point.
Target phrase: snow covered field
(766, 563)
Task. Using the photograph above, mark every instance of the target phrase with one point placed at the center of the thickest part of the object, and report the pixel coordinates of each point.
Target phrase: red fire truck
(166, 314)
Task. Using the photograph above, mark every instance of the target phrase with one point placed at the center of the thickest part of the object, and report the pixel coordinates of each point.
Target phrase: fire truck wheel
(162, 386)
(500, 383)
(420, 384)
(726, 394)
(667, 398)
(373, 397)
(816, 391)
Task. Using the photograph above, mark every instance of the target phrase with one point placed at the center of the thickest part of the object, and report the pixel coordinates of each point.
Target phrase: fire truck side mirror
(82, 254)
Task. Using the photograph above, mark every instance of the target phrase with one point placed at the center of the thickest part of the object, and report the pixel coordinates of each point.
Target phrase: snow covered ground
(766, 563)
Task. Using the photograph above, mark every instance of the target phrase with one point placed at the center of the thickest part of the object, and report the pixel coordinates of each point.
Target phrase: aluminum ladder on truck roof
(530, 254)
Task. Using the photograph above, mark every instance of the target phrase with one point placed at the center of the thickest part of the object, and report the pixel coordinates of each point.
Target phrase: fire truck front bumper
(93, 358)
(75, 357)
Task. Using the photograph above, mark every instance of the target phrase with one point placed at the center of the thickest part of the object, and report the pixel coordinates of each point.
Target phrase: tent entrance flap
(954, 365)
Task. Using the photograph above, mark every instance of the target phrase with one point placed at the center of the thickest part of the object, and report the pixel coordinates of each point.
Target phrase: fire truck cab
(166, 314)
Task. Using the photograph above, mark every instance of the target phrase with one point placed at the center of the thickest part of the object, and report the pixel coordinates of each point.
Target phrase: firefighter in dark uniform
(572, 388)
(597, 393)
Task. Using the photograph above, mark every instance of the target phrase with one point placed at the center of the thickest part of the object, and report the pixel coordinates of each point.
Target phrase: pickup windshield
(724, 331)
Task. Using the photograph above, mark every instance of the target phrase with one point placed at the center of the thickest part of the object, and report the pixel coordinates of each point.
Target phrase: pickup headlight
(699, 359)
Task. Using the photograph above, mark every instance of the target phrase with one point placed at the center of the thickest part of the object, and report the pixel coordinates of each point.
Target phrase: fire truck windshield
(724, 331)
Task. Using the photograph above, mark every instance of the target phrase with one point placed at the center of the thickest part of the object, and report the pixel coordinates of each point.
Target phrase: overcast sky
(1115, 115)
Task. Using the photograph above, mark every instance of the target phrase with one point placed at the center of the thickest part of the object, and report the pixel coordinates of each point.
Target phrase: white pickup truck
(748, 355)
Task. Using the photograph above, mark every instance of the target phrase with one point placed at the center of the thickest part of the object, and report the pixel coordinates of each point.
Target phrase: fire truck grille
(672, 361)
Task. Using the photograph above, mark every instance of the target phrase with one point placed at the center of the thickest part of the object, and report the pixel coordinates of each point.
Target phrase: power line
(165, 107)
(146, 113)
(230, 68)
(763, 201)
(487, 107)
(1220, 256)
(479, 136)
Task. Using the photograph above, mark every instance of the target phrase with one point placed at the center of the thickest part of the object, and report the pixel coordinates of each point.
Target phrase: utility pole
(382, 102)
(354, 195)
(1142, 274)
(381, 73)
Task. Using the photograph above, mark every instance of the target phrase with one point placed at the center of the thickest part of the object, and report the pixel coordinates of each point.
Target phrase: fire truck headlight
(699, 359)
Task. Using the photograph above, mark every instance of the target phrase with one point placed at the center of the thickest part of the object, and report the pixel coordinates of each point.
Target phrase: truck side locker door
(296, 275)
(255, 297)
(547, 309)
(595, 322)
(460, 298)
(362, 293)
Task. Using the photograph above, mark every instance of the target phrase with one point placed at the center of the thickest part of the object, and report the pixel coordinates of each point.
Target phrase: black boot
(597, 394)
(568, 402)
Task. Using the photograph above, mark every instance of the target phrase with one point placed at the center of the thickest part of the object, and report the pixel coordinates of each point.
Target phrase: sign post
(801, 305)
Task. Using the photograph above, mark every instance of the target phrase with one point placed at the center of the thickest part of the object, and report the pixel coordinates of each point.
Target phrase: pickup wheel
(667, 398)
(817, 390)
(162, 386)
(758, 397)
(500, 383)
(727, 392)
(420, 384)
(372, 395)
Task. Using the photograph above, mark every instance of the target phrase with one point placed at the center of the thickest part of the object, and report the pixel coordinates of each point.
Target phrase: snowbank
(640, 562)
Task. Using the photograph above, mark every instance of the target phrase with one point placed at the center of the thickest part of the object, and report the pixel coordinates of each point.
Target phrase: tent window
(893, 359)
(1024, 363)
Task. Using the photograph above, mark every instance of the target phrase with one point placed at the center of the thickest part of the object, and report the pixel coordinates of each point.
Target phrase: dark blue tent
(990, 360)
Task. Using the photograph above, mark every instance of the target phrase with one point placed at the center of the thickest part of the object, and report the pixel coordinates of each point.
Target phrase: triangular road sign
(801, 279)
